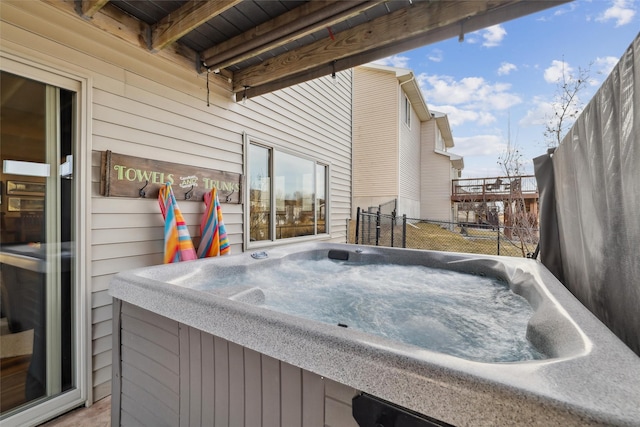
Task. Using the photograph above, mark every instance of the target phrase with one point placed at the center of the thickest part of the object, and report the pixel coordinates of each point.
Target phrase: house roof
(456, 161)
(443, 124)
(258, 46)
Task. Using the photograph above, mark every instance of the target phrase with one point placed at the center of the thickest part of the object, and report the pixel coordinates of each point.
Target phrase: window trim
(275, 148)
(406, 111)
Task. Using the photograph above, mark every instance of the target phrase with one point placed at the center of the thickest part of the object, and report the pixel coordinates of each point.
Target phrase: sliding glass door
(37, 241)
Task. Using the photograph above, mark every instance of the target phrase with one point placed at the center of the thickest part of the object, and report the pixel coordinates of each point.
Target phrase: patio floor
(97, 415)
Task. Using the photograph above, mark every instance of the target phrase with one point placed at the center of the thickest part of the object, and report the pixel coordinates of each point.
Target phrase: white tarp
(596, 187)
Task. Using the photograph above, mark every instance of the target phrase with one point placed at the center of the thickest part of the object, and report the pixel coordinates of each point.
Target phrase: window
(406, 111)
(287, 194)
(439, 141)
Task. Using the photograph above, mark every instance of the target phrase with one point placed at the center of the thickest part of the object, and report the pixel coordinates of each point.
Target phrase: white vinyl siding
(145, 106)
(436, 177)
(376, 120)
(409, 170)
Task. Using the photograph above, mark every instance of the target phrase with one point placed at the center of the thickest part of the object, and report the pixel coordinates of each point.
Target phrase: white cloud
(622, 11)
(554, 73)
(493, 35)
(479, 169)
(543, 113)
(506, 68)
(471, 93)
(605, 65)
(537, 115)
(558, 11)
(435, 55)
(479, 145)
(459, 116)
(394, 61)
(561, 11)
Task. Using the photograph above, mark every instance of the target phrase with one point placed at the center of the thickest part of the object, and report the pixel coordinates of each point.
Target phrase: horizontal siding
(375, 134)
(145, 106)
(409, 160)
(435, 178)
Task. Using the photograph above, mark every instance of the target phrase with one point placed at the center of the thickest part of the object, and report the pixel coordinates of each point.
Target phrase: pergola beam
(188, 17)
(88, 8)
(422, 24)
(295, 24)
(413, 21)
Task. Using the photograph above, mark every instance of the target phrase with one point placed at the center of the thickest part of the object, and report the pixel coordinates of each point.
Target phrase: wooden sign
(128, 176)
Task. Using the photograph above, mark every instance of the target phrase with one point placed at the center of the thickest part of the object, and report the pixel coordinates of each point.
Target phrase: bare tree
(520, 224)
(566, 104)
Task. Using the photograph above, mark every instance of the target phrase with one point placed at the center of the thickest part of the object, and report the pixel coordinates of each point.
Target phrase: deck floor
(97, 415)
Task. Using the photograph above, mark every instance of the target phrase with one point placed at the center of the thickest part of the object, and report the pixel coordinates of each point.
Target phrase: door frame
(40, 67)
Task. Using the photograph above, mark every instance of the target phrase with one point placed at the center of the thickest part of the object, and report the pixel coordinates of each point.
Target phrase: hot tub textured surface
(589, 378)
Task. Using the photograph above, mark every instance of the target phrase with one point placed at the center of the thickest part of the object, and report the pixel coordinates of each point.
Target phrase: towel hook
(228, 198)
(141, 192)
(188, 194)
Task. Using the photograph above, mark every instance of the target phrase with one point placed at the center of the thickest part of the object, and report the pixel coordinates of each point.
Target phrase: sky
(498, 85)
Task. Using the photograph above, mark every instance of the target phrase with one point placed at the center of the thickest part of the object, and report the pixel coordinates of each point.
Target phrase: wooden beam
(404, 23)
(288, 27)
(189, 16)
(91, 7)
(127, 28)
(405, 29)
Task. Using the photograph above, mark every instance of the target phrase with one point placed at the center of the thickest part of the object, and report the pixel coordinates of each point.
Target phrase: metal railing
(500, 187)
(388, 230)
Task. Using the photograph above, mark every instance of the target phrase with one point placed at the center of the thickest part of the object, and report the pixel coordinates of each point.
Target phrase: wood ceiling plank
(91, 7)
(493, 16)
(125, 27)
(189, 16)
(413, 21)
(290, 26)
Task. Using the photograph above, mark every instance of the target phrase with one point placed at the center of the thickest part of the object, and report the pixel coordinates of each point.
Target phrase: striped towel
(177, 241)
(214, 238)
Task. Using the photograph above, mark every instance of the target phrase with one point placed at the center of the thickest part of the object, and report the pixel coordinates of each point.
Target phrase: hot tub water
(472, 317)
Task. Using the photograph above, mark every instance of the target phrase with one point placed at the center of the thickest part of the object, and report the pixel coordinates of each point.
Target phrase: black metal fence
(399, 231)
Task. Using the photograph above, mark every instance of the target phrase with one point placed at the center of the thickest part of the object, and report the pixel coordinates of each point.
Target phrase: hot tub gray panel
(593, 380)
(174, 375)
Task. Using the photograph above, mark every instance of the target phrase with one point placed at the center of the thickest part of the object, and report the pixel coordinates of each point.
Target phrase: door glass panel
(36, 242)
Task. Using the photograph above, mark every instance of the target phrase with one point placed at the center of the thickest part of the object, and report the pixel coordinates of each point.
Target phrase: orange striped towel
(177, 241)
(213, 233)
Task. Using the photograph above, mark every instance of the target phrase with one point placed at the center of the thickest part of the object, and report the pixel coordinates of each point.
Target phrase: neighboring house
(438, 168)
(400, 146)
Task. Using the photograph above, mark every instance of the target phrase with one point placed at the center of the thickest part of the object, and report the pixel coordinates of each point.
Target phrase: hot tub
(221, 342)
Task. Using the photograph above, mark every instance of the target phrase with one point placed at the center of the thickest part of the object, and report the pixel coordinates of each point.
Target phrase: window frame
(406, 111)
(274, 150)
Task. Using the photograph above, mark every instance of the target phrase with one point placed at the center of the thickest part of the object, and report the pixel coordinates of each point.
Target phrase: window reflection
(294, 187)
(290, 189)
(321, 207)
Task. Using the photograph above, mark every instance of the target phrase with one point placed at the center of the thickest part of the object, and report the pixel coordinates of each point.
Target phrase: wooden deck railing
(494, 188)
